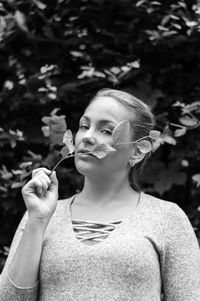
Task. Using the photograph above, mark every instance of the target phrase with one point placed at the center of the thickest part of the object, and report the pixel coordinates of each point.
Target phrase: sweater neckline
(118, 229)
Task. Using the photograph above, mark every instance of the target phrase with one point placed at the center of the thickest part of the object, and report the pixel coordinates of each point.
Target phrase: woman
(143, 245)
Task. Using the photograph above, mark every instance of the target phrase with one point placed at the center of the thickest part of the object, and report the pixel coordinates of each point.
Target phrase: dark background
(59, 53)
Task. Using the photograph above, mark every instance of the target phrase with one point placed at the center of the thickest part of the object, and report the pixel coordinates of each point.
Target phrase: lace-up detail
(92, 232)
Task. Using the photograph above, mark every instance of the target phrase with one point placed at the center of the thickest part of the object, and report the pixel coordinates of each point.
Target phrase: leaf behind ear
(68, 141)
(121, 131)
(144, 146)
(102, 151)
(154, 134)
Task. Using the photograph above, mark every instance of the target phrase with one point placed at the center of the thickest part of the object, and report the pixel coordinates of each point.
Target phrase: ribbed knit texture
(155, 245)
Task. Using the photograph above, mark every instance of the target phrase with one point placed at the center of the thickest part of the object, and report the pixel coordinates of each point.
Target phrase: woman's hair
(141, 124)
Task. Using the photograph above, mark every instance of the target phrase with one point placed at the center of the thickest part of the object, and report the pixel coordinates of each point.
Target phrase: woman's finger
(37, 170)
(42, 175)
(38, 185)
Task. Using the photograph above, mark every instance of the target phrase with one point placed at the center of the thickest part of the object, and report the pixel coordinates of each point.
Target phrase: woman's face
(96, 126)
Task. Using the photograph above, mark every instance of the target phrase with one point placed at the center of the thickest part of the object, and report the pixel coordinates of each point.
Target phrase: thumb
(54, 180)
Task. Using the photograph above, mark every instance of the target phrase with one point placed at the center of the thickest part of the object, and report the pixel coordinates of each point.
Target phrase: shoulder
(168, 211)
(161, 207)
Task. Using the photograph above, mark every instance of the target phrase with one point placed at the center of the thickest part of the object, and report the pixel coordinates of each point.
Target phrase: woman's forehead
(108, 108)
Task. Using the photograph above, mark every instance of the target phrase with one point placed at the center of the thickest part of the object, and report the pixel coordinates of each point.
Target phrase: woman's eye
(83, 126)
(107, 132)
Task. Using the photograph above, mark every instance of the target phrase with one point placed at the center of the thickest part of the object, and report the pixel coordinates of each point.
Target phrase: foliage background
(59, 53)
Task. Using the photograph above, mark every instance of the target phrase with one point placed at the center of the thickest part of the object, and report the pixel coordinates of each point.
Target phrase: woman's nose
(89, 137)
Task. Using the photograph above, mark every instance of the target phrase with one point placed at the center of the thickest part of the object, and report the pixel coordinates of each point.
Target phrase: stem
(126, 143)
(132, 141)
(66, 158)
(177, 125)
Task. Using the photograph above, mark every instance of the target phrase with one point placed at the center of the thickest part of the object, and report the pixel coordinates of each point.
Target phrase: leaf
(139, 3)
(64, 151)
(42, 89)
(180, 132)
(52, 95)
(168, 178)
(196, 178)
(46, 119)
(169, 139)
(103, 150)
(68, 141)
(46, 131)
(121, 131)
(18, 185)
(25, 164)
(154, 134)
(21, 20)
(144, 146)
(16, 172)
(40, 4)
(188, 121)
(157, 143)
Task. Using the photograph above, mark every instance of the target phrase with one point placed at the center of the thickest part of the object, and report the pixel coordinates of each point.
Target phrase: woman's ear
(136, 156)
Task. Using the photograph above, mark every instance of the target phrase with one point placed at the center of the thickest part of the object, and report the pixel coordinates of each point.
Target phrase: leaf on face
(144, 146)
(121, 131)
(68, 141)
(154, 134)
(64, 151)
(103, 150)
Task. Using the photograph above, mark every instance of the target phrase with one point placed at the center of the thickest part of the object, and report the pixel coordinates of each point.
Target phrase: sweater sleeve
(10, 291)
(181, 258)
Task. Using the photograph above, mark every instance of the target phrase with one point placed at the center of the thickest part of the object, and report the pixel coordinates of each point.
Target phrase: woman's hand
(40, 194)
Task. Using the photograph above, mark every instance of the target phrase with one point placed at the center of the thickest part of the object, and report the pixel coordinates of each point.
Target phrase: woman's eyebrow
(101, 121)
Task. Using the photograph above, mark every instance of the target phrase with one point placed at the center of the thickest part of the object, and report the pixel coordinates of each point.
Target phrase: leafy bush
(57, 54)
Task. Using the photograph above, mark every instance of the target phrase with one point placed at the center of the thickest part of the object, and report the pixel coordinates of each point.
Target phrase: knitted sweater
(153, 248)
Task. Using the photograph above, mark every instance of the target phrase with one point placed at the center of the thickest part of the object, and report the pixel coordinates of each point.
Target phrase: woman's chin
(85, 168)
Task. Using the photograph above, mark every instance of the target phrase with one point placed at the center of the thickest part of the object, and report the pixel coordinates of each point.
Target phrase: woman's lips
(84, 151)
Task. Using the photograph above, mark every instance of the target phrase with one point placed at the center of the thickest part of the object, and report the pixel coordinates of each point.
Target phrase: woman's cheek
(77, 139)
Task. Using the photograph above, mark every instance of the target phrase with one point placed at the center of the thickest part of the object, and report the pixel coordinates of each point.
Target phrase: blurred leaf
(21, 20)
(65, 151)
(180, 132)
(18, 185)
(144, 146)
(154, 134)
(68, 141)
(189, 121)
(121, 132)
(164, 178)
(102, 151)
(46, 131)
(40, 4)
(196, 178)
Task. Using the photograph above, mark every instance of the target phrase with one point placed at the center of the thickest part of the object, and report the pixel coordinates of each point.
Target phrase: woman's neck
(101, 192)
